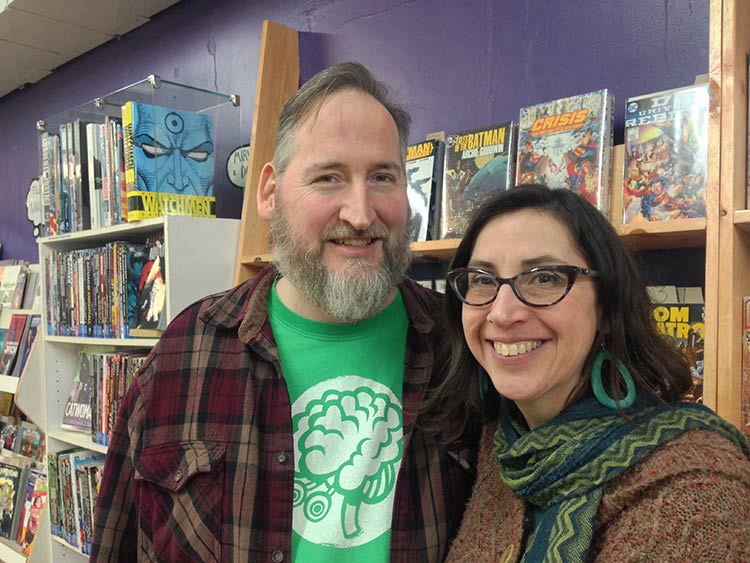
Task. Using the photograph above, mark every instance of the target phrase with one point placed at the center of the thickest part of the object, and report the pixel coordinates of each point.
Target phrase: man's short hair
(343, 76)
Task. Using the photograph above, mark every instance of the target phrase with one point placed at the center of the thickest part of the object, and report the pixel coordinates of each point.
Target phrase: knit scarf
(561, 468)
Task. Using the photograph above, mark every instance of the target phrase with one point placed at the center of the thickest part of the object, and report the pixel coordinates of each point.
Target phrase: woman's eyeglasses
(539, 287)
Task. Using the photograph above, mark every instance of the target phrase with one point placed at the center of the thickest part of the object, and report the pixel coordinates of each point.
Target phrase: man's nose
(357, 208)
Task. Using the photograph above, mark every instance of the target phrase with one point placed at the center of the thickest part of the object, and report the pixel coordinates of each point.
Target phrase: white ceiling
(37, 36)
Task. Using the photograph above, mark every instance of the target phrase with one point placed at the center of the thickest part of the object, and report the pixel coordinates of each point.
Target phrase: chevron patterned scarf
(561, 468)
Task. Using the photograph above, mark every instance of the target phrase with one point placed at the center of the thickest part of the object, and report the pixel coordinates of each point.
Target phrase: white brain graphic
(349, 431)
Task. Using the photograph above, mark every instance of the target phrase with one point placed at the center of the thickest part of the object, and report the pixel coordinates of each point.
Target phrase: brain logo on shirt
(348, 450)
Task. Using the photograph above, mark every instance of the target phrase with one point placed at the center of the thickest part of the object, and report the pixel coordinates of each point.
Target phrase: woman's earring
(596, 382)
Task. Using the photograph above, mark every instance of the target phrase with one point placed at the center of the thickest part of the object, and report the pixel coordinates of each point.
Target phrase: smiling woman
(587, 452)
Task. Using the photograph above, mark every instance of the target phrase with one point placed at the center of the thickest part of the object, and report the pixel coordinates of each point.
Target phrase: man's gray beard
(352, 294)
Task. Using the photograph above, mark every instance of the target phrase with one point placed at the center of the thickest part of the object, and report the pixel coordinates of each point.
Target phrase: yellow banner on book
(146, 205)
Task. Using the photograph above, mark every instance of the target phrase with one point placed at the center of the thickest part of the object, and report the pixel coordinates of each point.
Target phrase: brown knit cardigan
(688, 501)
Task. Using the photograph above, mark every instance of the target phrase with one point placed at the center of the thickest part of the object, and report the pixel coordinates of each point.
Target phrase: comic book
(12, 341)
(28, 336)
(33, 510)
(13, 479)
(77, 412)
(49, 146)
(478, 162)
(56, 487)
(8, 432)
(168, 162)
(30, 441)
(17, 296)
(86, 500)
(151, 303)
(424, 166)
(683, 324)
(666, 153)
(10, 278)
(567, 143)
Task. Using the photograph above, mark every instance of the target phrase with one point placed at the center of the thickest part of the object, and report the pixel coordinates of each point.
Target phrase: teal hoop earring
(596, 383)
(484, 383)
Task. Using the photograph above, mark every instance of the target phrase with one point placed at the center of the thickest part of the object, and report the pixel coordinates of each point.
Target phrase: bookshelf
(200, 256)
(724, 233)
(92, 185)
(728, 71)
(10, 552)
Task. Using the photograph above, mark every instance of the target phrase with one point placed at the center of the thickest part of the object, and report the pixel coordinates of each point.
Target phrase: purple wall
(456, 65)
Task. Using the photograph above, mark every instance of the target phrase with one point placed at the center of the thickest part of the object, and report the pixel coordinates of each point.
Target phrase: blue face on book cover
(173, 151)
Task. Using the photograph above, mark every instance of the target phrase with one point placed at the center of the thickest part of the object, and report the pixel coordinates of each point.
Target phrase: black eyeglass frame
(572, 273)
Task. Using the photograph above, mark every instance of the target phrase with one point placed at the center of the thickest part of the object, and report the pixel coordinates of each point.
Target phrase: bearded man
(277, 421)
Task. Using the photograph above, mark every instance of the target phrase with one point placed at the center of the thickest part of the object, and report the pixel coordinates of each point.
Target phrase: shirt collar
(245, 306)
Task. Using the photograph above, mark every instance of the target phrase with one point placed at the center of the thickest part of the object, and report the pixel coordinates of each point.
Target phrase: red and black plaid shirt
(200, 464)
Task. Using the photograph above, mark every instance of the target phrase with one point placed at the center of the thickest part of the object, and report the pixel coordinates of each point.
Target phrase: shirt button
(282, 457)
(278, 555)
(178, 475)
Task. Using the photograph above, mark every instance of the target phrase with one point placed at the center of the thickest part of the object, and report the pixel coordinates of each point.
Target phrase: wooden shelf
(278, 79)
(435, 249)
(680, 233)
(255, 261)
(742, 220)
(431, 249)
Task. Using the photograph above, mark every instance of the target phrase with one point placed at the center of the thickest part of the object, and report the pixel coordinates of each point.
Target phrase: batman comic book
(666, 153)
(567, 143)
(478, 162)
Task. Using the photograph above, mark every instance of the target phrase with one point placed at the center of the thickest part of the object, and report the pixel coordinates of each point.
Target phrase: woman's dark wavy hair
(629, 334)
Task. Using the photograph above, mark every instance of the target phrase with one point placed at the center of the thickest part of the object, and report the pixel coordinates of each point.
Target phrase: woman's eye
(547, 278)
(482, 280)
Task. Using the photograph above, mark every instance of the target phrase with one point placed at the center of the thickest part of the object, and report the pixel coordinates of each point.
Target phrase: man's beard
(356, 291)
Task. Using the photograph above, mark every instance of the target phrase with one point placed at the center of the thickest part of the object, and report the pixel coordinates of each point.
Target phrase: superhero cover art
(666, 151)
(566, 143)
(478, 162)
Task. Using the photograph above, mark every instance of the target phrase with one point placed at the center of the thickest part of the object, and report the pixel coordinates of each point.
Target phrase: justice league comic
(666, 152)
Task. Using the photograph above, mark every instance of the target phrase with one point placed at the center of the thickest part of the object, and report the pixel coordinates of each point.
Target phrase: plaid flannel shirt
(200, 464)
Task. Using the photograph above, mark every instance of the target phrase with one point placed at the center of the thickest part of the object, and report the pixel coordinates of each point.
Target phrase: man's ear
(265, 195)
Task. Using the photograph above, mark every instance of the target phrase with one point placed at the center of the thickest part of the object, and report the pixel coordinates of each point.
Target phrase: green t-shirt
(345, 387)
